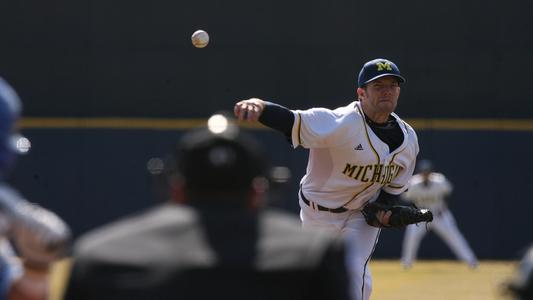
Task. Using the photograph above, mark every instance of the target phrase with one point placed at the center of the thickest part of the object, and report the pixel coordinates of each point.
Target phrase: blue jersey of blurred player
(39, 235)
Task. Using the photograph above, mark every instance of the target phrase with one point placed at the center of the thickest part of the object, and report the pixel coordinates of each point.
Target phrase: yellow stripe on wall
(473, 124)
(173, 124)
(117, 123)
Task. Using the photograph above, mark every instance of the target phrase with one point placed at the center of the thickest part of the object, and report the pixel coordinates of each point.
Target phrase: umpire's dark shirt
(179, 252)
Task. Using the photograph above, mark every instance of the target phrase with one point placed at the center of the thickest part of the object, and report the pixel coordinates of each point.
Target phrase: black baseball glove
(401, 215)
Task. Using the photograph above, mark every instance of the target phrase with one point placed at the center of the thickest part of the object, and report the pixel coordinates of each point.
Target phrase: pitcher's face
(381, 95)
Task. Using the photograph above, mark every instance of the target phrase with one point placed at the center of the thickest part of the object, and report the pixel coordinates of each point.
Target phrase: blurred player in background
(521, 285)
(213, 239)
(429, 189)
(40, 237)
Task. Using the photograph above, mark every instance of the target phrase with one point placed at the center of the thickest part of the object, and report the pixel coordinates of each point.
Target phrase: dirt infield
(435, 280)
(440, 280)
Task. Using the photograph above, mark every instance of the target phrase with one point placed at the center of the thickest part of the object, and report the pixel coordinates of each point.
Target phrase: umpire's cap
(219, 160)
(378, 68)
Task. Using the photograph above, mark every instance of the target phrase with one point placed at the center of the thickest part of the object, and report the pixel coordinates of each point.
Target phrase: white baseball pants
(360, 237)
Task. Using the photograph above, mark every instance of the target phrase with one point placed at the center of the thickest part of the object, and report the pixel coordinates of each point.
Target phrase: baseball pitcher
(361, 157)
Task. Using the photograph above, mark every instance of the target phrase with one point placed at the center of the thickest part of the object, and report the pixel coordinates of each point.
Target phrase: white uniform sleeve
(39, 235)
(317, 128)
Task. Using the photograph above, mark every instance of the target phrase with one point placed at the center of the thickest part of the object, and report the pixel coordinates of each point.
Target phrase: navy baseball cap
(378, 68)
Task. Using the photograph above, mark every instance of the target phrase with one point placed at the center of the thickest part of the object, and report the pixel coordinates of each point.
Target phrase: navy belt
(322, 208)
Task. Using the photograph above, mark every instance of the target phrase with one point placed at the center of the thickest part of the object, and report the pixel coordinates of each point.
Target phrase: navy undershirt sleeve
(277, 117)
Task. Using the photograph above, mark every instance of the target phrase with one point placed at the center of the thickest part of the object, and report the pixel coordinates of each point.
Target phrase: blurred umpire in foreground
(213, 239)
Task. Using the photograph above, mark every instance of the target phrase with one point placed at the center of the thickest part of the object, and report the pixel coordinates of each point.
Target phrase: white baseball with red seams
(200, 39)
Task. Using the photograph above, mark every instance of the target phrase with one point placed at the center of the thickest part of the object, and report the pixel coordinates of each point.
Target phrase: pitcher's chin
(387, 106)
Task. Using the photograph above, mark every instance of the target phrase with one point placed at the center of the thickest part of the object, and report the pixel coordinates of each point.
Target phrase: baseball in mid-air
(200, 39)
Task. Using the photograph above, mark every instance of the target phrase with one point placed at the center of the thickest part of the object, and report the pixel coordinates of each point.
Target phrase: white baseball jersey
(430, 196)
(348, 163)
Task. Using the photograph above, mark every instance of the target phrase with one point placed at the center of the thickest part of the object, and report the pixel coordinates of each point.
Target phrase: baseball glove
(401, 215)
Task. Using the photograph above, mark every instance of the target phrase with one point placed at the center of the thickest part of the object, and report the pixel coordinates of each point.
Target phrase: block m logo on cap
(383, 65)
(377, 68)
